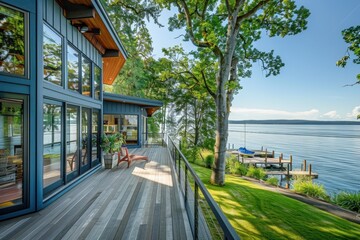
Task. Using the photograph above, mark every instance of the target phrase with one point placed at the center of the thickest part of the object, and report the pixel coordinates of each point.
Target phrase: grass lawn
(256, 213)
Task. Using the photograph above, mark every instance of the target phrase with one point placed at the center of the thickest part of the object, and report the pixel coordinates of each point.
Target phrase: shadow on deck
(141, 202)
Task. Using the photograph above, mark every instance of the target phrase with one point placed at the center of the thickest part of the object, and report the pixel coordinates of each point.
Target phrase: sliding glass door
(85, 139)
(53, 145)
(72, 142)
(13, 176)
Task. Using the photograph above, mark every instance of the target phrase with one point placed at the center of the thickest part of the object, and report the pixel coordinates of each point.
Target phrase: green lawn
(256, 213)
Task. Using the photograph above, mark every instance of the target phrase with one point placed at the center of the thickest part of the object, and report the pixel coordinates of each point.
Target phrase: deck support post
(304, 165)
(196, 212)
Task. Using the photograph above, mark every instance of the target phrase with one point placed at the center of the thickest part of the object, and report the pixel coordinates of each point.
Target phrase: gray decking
(142, 202)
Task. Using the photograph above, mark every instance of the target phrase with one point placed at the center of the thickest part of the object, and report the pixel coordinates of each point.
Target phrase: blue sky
(310, 86)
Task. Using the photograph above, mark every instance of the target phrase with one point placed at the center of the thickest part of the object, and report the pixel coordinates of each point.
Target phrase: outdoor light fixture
(83, 29)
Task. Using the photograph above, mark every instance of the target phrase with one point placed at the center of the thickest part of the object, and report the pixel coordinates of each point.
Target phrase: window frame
(62, 85)
(26, 44)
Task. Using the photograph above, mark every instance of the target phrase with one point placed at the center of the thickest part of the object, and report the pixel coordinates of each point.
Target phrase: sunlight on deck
(155, 172)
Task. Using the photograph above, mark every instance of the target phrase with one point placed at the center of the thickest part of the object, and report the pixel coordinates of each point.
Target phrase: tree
(224, 33)
(351, 36)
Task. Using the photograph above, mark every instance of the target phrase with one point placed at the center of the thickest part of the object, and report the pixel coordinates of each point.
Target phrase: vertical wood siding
(53, 15)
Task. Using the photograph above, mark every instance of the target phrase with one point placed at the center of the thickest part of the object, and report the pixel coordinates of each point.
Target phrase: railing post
(185, 182)
(196, 212)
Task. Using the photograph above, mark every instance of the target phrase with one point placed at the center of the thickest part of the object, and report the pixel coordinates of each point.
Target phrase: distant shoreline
(294, 122)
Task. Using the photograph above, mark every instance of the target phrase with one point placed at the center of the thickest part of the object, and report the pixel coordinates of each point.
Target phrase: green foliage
(257, 173)
(233, 166)
(209, 160)
(348, 200)
(308, 188)
(351, 36)
(274, 181)
(111, 143)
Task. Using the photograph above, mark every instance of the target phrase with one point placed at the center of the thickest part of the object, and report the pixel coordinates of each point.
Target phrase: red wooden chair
(129, 157)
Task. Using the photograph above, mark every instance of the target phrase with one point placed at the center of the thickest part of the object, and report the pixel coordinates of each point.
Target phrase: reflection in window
(12, 41)
(86, 76)
(73, 68)
(11, 152)
(95, 135)
(52, 144)
(97, 79)
(72, 153)
(52, 56)
(125, 124)
(85, 146)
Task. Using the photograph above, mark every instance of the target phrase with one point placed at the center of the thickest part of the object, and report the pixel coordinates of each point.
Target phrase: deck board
(139, 202)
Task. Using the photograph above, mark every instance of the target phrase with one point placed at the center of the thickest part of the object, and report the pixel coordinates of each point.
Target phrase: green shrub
(233, 166)
(209, 160)
(257, 173)
(348, 200)
(274, 181)
(310, 189)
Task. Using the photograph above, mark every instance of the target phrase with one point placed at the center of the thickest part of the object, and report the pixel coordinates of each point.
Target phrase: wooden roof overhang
(150, 105)
(99, 31)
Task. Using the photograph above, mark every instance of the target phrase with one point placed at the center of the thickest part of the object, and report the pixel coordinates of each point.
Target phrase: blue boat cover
(245, 151)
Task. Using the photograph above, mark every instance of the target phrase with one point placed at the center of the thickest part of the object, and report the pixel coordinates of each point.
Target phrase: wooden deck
(141, 202)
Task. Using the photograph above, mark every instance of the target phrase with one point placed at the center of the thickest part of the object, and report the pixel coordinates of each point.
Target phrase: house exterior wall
(36, 92)
(115, 108)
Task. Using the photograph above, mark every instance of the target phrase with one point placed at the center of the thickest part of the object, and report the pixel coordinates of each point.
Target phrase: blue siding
(54, 17)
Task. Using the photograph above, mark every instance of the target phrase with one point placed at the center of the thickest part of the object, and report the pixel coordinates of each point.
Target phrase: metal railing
(153, 139)
(207, 221)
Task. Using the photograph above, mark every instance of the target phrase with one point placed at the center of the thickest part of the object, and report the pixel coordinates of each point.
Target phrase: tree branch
(251, 12)
(212, 94)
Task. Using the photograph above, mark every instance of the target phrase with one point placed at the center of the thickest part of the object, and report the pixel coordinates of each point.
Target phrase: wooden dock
(140, 202)
(268, 159)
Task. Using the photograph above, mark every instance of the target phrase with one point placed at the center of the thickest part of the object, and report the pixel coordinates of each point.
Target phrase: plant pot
(109, 160)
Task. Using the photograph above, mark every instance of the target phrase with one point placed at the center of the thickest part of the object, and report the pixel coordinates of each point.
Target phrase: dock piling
(310, 170)
(304, 165)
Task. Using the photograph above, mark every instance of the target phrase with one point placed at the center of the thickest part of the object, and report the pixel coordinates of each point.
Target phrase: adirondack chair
(129, 157)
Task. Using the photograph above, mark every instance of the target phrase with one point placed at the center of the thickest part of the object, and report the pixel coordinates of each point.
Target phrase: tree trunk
(222, 112)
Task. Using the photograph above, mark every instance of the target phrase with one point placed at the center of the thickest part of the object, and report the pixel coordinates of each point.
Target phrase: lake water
(332, 150)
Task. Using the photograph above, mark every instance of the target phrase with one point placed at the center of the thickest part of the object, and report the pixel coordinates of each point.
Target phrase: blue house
(55, 56)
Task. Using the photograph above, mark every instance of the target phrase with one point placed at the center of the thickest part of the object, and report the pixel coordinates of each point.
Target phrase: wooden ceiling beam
(111, 53)
(81, 13)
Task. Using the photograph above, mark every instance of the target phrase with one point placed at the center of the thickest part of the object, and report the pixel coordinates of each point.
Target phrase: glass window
(73, 68)
(11, 152)
(52, 128)
(97, 81)
(86, 76)
(72, 147)
(95, 135)
(52, 46)
(12, 41)
(85, 143)
(125, 124)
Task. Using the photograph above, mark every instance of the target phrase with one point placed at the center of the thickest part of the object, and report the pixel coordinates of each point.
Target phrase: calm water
(333, 150)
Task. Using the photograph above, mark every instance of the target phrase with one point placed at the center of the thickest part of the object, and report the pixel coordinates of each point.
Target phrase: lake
(332, 150)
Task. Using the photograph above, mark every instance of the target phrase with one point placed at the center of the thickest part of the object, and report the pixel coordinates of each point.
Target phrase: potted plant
(110, 144)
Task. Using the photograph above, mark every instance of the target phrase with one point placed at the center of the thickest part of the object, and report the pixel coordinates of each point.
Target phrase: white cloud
(261, 114)
(331, 115)
(355, 112)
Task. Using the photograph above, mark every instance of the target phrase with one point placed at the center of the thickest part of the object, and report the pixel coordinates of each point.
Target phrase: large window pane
(12, 41)
(73, 68)
(86, 76)
(52, 56)
(95, 135)
(52, 144)
(97, 80)
(85, 143)
(72, 148)
(125, 124)
(11, 152)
